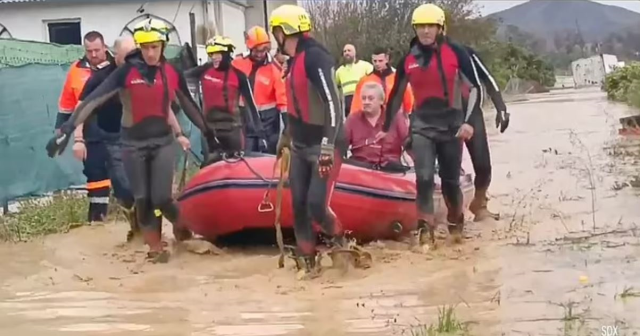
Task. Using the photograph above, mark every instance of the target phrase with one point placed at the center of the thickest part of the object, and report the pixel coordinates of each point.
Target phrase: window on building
(64, 32)
(4, 32)
(174, 37)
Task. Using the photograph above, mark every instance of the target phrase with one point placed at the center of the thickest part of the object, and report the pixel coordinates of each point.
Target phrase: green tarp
(32, 75)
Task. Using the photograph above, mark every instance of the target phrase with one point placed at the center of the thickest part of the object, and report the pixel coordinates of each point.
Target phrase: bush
(38, 217)
(623, 84)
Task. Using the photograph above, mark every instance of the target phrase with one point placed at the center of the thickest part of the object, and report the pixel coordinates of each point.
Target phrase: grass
(37, 217)
(447, 324)
(628, 292)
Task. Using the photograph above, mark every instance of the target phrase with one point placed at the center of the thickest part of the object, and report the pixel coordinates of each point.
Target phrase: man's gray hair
(122, 39)
(377, 87)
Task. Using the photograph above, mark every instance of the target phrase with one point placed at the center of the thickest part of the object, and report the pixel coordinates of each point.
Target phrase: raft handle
(265, 206)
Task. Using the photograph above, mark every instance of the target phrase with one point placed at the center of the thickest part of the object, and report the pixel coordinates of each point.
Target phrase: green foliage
(506, 61)
(448, 324)
(39, 217)
(623, 84)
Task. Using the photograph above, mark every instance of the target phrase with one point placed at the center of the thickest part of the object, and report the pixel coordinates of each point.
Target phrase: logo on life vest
(137, 81)
(212, 79)
(413, 66)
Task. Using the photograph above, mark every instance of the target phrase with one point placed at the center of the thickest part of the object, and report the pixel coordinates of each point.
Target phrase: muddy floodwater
(562, 260)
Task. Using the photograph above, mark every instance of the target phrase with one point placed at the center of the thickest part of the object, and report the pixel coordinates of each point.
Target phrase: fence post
(5, 206)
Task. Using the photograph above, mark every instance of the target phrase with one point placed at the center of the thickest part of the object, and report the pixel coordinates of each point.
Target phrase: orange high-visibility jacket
(268, 84)
(386, 79)
(77, 76)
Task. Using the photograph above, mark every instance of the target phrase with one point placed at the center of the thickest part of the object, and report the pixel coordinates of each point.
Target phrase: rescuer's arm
(68, 100)
(396, 96)
(253, 116)
(470, 75)
(189, 106)
(502, 117)
(103, 92)
(487, 79)
(193, 75)
(319, 67)
(92, 83)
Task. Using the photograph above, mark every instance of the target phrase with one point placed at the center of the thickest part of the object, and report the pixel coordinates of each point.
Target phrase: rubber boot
(456, 228)
(307, 268)
(131, 217)
(153, 238)
(478, 206)
(426, 233)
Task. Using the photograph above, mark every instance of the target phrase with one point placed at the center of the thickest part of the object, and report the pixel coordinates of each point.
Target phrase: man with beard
(348, 75)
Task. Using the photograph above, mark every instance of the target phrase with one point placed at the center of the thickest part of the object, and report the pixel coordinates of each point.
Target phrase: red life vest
(147, 99)
(220, 90)
(426, 82)
(297, 87)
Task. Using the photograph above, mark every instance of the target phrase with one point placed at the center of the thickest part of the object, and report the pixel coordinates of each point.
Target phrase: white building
(66, 21)
(593, 70)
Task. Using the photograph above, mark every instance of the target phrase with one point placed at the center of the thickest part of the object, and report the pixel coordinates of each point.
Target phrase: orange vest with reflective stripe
(387, 85)
(77, 76)
(267, 83)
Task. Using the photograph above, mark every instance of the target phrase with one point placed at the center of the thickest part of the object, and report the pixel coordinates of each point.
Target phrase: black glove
(502, 120)
(283, 142)
(57, 144)
(59, 141)
(325, 160)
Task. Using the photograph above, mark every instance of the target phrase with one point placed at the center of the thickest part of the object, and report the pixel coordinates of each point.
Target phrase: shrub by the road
(38, 217)
(623, 85)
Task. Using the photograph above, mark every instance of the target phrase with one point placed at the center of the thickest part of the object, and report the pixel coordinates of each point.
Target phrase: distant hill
(545, 18)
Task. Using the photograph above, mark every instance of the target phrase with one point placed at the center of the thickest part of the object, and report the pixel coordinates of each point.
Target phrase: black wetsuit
(149, 152)
(315, 126)
(436, 76)
(478, 145)
(222, 88)
(108, 155)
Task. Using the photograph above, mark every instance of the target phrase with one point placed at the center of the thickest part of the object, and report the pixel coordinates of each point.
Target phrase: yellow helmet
(220, 44)
(291, 18)
(150, 30)
(428, 14)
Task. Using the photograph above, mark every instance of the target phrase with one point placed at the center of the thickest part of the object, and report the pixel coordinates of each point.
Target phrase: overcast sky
(491, 6)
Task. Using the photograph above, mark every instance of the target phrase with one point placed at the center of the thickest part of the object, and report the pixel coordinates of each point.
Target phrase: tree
(368, 24)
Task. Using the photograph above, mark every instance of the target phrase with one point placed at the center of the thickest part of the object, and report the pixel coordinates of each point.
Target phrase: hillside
(545, 18)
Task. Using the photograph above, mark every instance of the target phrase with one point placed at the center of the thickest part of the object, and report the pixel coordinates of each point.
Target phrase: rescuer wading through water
(222, 87)
(147, 85)
(436, 68)
(478, 145)
(314, 133)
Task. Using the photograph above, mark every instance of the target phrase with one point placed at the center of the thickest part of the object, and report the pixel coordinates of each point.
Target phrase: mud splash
(562, 261)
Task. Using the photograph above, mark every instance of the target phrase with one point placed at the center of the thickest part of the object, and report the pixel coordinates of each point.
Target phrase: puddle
(563, 260)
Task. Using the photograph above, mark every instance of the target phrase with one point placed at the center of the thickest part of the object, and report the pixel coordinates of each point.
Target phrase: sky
(491, 6)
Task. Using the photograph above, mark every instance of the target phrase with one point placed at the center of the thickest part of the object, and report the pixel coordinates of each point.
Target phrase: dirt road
(563, 260)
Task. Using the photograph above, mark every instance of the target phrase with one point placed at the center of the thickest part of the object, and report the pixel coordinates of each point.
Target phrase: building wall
(28, 20)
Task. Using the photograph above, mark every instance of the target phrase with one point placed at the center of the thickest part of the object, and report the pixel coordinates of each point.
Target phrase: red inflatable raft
(225, 198)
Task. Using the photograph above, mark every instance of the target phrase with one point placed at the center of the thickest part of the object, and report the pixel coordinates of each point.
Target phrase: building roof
(12, 1)
(68, 1)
